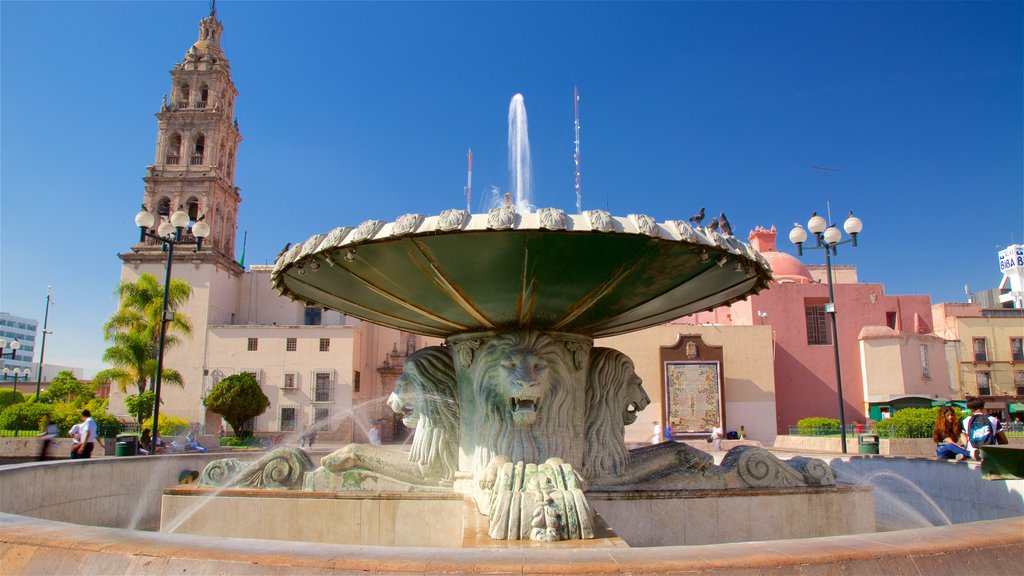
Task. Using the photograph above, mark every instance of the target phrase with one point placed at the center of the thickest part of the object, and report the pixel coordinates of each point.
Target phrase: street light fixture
(42, 349)
(13, 345)
(827, 238)
(169, 234)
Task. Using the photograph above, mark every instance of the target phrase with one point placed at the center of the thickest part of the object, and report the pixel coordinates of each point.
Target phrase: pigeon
(726, 228)
(697, 218)
(283, 250)
(713, 226)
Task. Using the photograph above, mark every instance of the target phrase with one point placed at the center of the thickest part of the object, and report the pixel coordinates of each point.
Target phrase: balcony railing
(196, 159)
(201, 105)
(173, 159)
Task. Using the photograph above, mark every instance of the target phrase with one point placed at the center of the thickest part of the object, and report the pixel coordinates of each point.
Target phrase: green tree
(237, 398)
(140, 405)
(134, 331)
(66, 388)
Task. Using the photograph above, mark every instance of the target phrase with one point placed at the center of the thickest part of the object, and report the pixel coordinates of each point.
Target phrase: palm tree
(134, 331)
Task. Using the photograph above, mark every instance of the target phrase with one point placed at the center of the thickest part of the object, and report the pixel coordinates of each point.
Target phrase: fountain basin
(592, 274)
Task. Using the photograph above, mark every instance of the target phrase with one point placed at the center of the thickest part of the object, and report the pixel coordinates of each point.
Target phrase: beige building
(985, 352)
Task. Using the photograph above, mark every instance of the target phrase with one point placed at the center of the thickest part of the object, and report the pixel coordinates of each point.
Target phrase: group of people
(958, 439)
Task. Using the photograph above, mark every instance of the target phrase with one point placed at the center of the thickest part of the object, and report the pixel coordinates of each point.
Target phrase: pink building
(889, 359)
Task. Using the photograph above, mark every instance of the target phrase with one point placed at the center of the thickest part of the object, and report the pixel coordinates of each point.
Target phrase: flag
(241, 260)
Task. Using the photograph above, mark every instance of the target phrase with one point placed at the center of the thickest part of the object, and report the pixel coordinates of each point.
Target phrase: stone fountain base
(449, 520)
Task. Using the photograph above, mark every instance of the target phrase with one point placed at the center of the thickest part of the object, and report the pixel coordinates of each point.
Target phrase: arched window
(184, 93)
(193, 209)
(204, 97)
(163, 208)
(198, 149)
(173, 152)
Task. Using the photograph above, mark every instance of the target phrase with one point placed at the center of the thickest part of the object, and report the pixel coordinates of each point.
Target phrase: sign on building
(1011, 264)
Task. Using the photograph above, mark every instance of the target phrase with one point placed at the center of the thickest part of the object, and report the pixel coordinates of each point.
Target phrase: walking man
(87, 438)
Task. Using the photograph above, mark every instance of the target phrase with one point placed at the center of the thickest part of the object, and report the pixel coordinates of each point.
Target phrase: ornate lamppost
(169, 234)
(42, 349)
(827, 238)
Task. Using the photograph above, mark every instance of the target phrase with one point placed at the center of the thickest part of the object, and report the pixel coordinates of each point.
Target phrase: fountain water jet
(520, 169)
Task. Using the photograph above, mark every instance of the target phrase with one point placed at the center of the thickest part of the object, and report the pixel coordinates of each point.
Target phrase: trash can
(127, 445)
(868, 443)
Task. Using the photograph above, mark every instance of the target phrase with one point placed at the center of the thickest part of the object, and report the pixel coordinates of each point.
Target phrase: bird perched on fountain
(697, 218)
(283, 250)
(713, 225)
(724, 224)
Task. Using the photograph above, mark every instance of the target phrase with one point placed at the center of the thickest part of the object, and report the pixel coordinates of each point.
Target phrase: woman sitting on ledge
(947, 435)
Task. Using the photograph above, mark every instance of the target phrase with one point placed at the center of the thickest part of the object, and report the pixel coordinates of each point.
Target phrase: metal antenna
(576, 156)
(469, 182)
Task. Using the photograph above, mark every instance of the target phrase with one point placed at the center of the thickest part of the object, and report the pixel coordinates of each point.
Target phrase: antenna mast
(469, 182)
(576, 156)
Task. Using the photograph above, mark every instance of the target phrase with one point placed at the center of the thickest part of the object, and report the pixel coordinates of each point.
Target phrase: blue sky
(353, 111)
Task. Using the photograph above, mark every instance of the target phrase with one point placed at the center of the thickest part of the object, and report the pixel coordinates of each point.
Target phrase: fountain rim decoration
(404, 243)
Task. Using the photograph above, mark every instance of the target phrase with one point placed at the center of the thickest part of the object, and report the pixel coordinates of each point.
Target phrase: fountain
(518, 352)
(518, 410)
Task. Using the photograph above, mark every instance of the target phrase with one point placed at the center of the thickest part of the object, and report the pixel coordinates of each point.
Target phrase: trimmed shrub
(8, 397)
(24, 416)
(67, 414)
(818, 426)
(169, 425)
(912, 423)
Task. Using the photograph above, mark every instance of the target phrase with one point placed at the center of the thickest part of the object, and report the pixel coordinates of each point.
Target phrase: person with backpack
(980, 429)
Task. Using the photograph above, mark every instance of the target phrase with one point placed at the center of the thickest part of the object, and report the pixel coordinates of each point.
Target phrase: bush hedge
(818, 426)
(9, 396)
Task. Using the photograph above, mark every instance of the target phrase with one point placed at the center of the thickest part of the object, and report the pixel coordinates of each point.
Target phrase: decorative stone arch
(192, 207)
(184, 95)
(163, 207)
(172, 149)
(204, 96)
(198, 155)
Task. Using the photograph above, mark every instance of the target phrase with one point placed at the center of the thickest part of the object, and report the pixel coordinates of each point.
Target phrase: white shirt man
(87, 430)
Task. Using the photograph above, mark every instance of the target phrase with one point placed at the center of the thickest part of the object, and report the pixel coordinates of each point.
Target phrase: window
(288, 414)
(1018, 382)
(817, 325)
(925, 370)
(355, 381)
(890, 320)
(313, 316)
(198, 150)
(193, 209)
(325, 344)
(321, 418)
(1017, 349)
(980, 354)
(253, 344)
(290, 380)
(290, 345)
(173, 151)
(184, 93)
(322, 387)
(984, 381)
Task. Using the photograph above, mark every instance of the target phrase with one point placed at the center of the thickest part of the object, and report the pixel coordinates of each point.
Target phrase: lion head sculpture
(615, 395)
(426, 397)
(524, 387)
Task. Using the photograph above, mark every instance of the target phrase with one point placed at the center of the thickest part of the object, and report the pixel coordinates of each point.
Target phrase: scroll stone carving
(645, 224)
(551, 218)
(310, 245)
(406, 224)
(282, 468)
(464, 351)
(501, 218)
(600, 220)
(579, 352)
(334, 238)
(367, 229)
(451, 220)
(539, 502)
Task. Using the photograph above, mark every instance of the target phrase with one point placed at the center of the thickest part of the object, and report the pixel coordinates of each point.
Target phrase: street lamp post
(169, 234)
(42, 349)
(827, 238)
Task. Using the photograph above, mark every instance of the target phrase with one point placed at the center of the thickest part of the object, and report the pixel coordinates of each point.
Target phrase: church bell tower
(196, 145)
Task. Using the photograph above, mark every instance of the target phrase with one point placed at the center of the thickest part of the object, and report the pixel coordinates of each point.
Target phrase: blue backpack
(980, 431)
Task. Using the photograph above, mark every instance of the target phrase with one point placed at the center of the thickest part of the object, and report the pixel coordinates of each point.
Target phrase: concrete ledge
(30, 546)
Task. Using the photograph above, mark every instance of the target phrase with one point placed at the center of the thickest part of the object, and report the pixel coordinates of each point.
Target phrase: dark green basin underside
(590, 283)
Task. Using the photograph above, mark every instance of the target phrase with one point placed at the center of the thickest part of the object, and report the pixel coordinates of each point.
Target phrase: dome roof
(787, 268)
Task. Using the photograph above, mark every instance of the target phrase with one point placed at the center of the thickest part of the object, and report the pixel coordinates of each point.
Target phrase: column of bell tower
(196, 145)
(194, 168)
